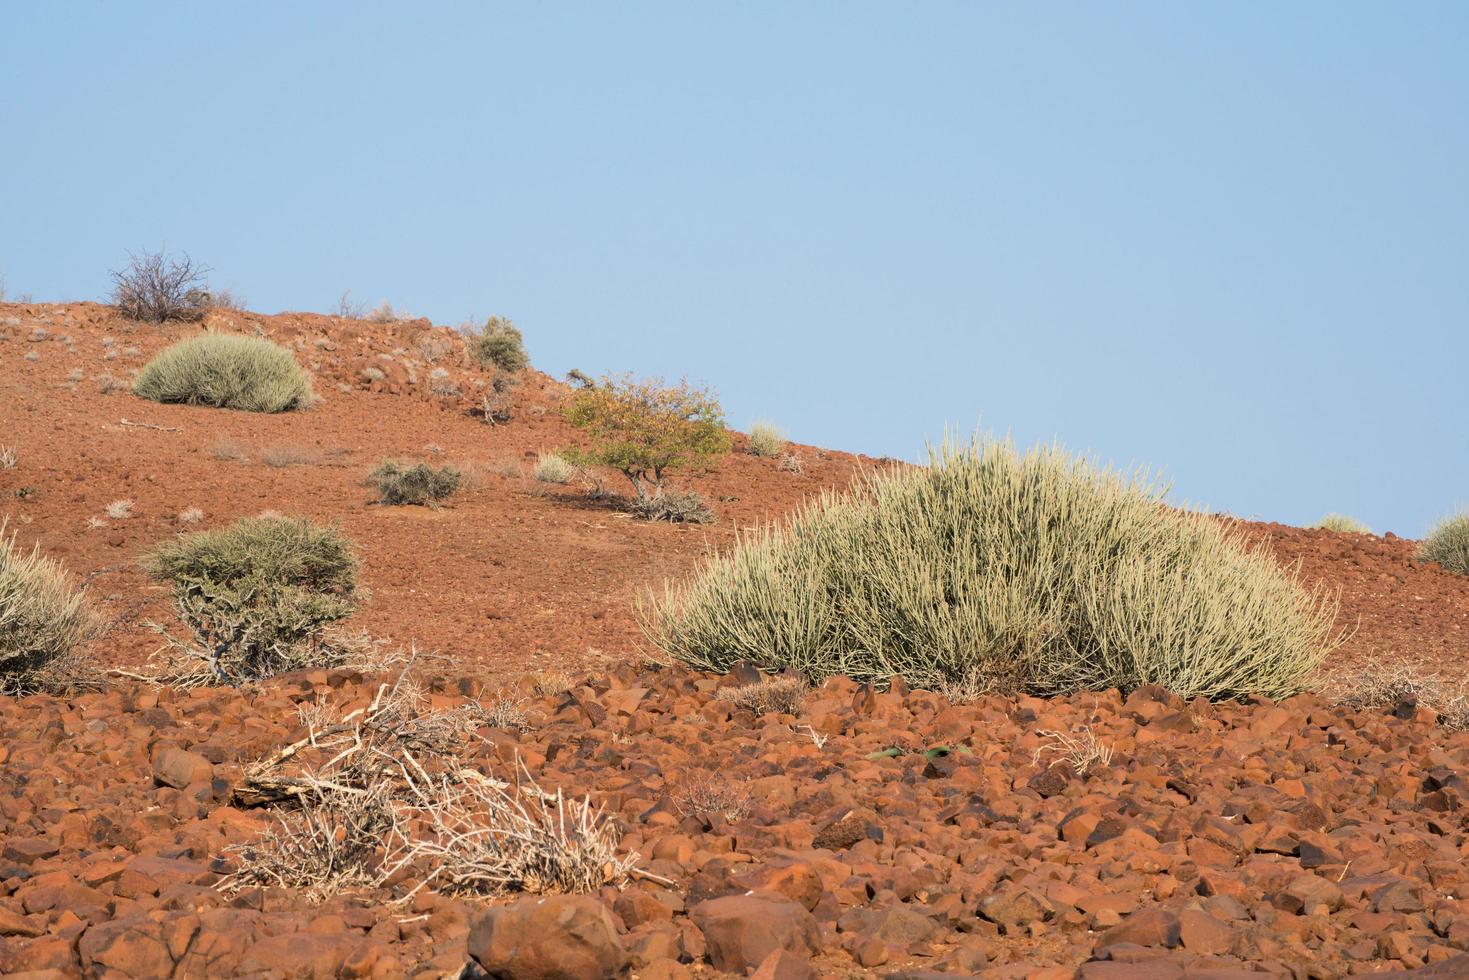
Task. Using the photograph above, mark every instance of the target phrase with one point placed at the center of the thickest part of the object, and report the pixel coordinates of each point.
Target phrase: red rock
(1309, 895)
(742, 930)
(546, 938)
(1149, 927)
(29, 850)
(180, 769)
(134, 947)
(1200, 932)
(308, 955)
(782, 964)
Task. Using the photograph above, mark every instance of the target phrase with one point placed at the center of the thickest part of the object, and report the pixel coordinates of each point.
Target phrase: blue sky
(1230, 241)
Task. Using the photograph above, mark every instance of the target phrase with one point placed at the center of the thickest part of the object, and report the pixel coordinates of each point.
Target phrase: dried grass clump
(1083, 752)
(119, 510)
(551, 683)
(1448, 544)
(44, 617)
(499, 343)
(673, 505)
(8, 458)
(226, 371)
(766, 439)
(156, 288)
(1039, 570)
(256, 597)
(551, 468)
(1377, 684)
(780, 694)
(791, 463)
(1342, 524)
(417, 484)
(708, 794)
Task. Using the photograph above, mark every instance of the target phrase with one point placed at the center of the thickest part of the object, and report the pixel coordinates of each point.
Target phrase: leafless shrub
(675, 506)
(1082, 751)
(1378, 684)
(73, 672)
(347, 309)
(498, 403)
(384, 313)
(433, 345)
(156, 288)
(228, 299)
(507, 713)
(706, 794)
(551, 683)
(781, 694)
(228, 449)
(119, 510)
(191, 515)
(817, 738)
(75, 374)
(8, 458)
(791, 463)
(507, 469)
(108, 384)
(280, 457)
(441, 385)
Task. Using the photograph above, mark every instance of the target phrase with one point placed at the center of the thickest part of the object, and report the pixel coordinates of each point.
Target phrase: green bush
(1448, 544)
(1343, 524)
(417, 484)
(226, 371)
(1038, 572)
(766, 439)
(551, 468)
(43, 615)
(256, 595)
(499, 343)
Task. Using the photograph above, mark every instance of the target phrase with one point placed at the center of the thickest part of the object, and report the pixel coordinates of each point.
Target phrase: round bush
(226, 371)
(499, 343)
(417, 484)
(257, 594)
(1034, 572)
(1448, 544)
(43, 616)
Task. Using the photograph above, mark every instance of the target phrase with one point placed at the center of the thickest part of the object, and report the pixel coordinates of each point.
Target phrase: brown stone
(742, 930)
(548, 937)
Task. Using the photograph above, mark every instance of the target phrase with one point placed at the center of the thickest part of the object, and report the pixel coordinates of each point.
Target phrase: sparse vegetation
(1038, 572)
(499, 343)
(644, 430)
(791, 463)
(707, 794)
(191, 515)
(107, 384)
(226, 371)
(1082, 752)
(119, 510)
(1448, 544)
(674, 506)
(8, 458)
(417, 484)
(551, 468)
(44, 617)
(1388, 682)
(156, 288)
(551, 683)
(349, 309)
(498, 402)
(766, 440)
(1343, 524)
(384, 313)
(256, 596)
(780, 694)
(281, 457)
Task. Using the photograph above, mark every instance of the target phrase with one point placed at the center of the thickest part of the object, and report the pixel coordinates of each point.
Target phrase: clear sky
(1228, 240)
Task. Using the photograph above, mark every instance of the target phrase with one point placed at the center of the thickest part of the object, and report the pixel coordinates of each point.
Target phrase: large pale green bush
(226, 371)
(1034, 571)
(43, 615)
(1448, 544)
(257, 594)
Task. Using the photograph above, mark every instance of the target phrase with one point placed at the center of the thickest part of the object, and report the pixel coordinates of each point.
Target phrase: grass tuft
(1448, 544)
(766, 440)
(1343, 524)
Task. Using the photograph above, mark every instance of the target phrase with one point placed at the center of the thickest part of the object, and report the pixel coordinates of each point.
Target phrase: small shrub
(191, 515)
(499, 343)
(107, 384)
(791, 463)
(1388, 682)
(8, 458)
(156, 288)
(551, 468)
(645, 429)
(44, 617)
(1037, 572)
(780, 694)
(707, 794)
(441, 385)
(384, 313)
(256, 596)
(551, 683)
(1082, 752)
(349, 309)
(281, 457)
(674, 506)
(226, 371)
(1342, 524)
(766, 440)
(119, 510)
(1448, 544)
(228, 299)
(417, 484)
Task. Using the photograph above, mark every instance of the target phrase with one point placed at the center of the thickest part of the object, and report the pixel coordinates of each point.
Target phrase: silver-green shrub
(1448, 544)
(1035, 571)
(226, 371)
(43, 615)
(1342, 524)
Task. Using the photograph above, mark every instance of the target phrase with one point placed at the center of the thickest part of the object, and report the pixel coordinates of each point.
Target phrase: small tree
(644, 428)
(155, 288)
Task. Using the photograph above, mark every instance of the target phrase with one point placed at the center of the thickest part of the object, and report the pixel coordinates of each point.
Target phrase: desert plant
(349, 309)
(779, 694)
(1082, 751)
(497, 403)
(1448, 544)
(282, 457)
(226, 371)
(1342, 523)
(416, 484)
(1039, 572)
(766, 439)
(791, 463)
(44, 617)
(119, 510)
(499, 343)
(675, 506)
(256, 596)
(706, 794)
(385, 313)
(228, 299)
(551, 468)
(645, 429)
(1386, 682)
(156, 288)
(8, 458)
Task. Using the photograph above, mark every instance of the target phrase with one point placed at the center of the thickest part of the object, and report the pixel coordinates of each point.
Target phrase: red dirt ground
(1300, 838)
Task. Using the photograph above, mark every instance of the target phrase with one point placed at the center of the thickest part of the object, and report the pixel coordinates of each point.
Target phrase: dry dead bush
(551, 683)
(229, 449)
(498, 404)
(384, 794)
(791, 463)
(433, 345)
(108, 384)
(349, 309)
(673, 505)
(8, 458)
(781, 694)
(1081, 751)
(1380, 684)
(156, 288)
(707, 794)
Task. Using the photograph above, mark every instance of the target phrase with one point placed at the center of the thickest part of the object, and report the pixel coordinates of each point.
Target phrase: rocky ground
(861, 833)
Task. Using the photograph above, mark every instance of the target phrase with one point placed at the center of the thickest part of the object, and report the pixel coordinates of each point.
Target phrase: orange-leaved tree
(643, 428)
